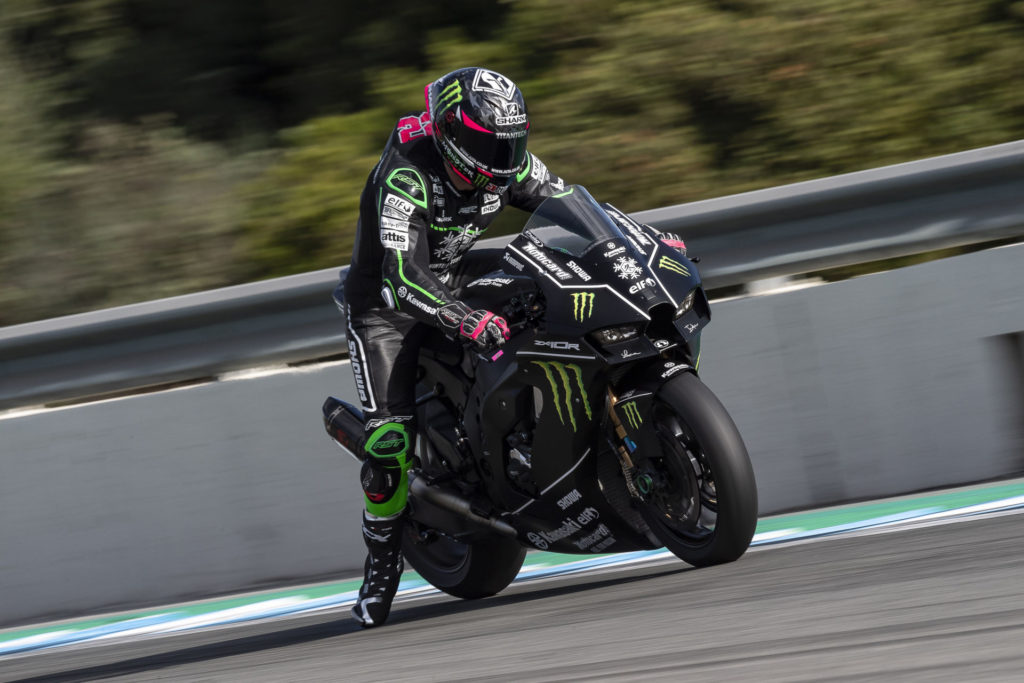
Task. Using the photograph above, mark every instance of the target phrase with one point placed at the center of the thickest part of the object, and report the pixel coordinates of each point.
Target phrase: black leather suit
(409, 261)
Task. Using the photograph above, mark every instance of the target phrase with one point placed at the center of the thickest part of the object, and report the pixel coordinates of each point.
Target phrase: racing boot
(382, 571)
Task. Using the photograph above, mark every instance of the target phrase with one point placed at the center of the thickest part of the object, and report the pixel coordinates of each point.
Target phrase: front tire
(702, 498)
(475, 569)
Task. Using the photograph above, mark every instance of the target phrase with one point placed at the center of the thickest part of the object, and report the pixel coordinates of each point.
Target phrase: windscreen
(571, 222)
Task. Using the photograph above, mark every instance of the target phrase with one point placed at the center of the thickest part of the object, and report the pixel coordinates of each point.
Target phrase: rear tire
(476, 569)
(703, 502)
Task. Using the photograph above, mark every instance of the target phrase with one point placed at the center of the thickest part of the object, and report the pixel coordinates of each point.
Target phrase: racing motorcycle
(589, 431)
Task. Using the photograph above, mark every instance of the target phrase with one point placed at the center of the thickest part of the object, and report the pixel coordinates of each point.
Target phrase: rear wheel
(701, 499)
(474, 569)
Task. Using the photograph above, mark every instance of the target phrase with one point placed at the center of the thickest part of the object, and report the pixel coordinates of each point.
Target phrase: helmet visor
(499, 154)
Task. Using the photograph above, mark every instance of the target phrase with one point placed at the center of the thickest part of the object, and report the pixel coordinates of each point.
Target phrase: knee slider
(380, 483)
(388, 457)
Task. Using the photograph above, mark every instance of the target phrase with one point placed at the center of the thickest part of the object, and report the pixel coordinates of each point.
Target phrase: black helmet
(480, 126)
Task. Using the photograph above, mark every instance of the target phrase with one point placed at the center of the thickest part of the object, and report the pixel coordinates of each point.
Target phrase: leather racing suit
(409, 261)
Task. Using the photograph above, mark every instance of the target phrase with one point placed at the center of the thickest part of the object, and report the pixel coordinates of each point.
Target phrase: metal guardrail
(959, 199)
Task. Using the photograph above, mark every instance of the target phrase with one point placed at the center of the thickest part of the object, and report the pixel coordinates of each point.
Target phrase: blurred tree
(142, 213)
(231, 69)
(648, 103)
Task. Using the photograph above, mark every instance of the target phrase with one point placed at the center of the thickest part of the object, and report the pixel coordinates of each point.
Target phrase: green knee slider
(384, 478)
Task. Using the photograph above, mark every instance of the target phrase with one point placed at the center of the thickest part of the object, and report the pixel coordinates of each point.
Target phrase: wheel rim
(683, 495)
(445, 554)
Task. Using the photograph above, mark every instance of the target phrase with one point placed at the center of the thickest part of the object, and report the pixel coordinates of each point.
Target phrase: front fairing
(598, 268)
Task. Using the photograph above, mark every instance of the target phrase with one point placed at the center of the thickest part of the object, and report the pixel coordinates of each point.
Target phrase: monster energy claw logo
(582, 305)
(562, 383)
(632, 414)
(674, 266)
(450, 96)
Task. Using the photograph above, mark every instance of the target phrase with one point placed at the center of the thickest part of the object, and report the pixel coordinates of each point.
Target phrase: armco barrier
(958, 199)
(880, 385)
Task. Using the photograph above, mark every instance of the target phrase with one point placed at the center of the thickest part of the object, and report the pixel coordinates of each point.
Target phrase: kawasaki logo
(582, 305)
(561, 383)
(674, 266)
(632, 414)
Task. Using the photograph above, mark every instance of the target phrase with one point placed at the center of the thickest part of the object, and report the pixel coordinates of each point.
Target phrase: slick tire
(706, 511)
(470, 570)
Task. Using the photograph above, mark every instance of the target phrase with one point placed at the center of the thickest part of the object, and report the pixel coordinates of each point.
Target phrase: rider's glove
(670, 240)
(485, 328)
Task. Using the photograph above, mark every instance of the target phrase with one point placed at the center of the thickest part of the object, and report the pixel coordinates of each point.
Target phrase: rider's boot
(383, 569)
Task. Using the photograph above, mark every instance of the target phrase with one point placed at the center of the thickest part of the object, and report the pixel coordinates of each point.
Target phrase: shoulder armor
(408, 182)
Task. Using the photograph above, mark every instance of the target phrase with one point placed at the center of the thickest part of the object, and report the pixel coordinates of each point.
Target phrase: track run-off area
(923, 587)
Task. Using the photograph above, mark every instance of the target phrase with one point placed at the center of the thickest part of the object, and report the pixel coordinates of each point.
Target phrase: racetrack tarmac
(934, 603)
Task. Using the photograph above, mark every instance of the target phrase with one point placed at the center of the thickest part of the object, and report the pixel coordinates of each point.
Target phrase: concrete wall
(175, 494)
(885, 384)
(880, 385)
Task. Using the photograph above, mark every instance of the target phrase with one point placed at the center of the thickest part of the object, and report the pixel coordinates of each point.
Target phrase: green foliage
(141, 213)
(153, 147)
(304, 208)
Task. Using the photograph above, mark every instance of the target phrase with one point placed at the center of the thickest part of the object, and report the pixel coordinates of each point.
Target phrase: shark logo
(489, 81)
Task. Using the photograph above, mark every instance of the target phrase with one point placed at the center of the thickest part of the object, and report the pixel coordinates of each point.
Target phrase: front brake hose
(628, 468)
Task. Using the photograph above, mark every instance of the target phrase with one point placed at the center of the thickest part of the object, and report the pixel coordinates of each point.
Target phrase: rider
(443, 177)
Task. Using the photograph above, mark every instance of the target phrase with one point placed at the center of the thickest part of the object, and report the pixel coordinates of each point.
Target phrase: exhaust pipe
(344, 424)
(453, 503)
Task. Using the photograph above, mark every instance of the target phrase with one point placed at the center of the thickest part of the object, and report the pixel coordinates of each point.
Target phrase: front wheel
(701, 499)
(474, 569)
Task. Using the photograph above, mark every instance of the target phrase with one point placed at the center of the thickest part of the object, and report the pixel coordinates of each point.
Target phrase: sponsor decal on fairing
(568, 499)
(491, 282)
(558, 376)
(546, 262)
(627, 268)
(582, 305)
(642, 284)
(557, 345)
(575, 267)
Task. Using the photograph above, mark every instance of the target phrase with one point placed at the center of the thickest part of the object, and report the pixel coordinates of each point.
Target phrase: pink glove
(676, 244)
(484, 328)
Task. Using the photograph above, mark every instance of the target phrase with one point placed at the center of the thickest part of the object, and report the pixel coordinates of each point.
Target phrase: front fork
(632, 417)
(638, 484)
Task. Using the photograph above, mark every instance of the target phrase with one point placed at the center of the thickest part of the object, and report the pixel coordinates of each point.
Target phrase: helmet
(480, 126)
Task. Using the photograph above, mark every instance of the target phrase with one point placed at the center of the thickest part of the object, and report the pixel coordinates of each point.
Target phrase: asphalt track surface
(934, 603)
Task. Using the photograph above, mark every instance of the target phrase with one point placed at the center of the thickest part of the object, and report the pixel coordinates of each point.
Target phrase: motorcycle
(589, 431)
